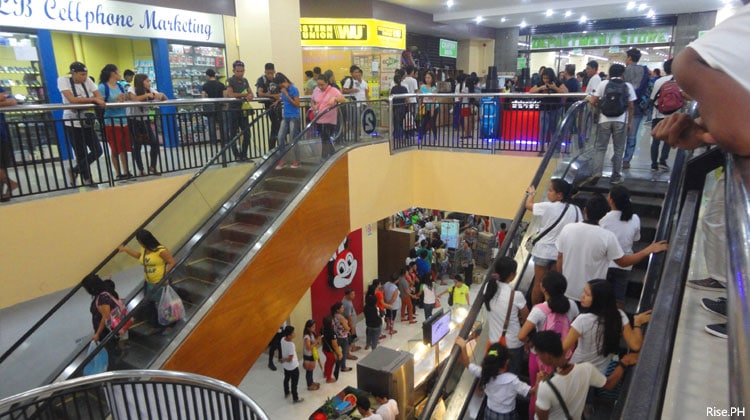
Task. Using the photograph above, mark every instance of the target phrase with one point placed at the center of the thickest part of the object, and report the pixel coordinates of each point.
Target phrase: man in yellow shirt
(460, 292)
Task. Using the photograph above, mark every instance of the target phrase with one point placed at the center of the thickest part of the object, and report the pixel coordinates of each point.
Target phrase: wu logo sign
(334, 32)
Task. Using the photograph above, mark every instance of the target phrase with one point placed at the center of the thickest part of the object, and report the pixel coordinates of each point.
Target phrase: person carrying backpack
(615, 99)
(639, 77)
(668, 99)
(554, 314)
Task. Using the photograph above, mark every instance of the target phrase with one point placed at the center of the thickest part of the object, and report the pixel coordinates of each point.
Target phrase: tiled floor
(265, 385)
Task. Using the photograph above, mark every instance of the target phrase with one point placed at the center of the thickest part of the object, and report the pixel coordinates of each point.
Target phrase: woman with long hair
(331, 350)
(499, 297)
(429, 105)
(157, 261)
(555, 303)
(626, 226)
(550, 109)
(139, 123)
(102, 303)
(598, 331)
(554, 214)
(310, 340)
(115, 120)
(325, 97)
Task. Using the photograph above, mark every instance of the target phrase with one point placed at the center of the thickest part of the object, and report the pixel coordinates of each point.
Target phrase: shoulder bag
(507, 318)
(559, 397)
(532, 241)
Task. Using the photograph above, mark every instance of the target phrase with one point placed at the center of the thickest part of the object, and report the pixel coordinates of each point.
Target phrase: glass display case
(19, 67)
(188, 65)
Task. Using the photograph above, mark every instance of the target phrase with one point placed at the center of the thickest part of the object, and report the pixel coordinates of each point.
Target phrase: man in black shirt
(267, 89)
(239, 88)
(212, 89)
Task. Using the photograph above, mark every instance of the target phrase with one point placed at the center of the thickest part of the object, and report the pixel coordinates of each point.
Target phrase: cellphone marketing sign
(448, 48)
(108, 17)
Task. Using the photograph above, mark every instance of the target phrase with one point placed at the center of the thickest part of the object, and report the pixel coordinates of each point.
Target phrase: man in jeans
(351, 317)
(634, 75)
(268, 89)
(239, 88)
(618, 127)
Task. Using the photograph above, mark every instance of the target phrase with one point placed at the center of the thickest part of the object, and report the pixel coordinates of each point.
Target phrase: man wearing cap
(268, 89)
(79, 124)
(239, 88)
(212, 89)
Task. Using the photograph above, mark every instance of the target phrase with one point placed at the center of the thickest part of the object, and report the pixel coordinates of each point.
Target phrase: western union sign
(315, 32)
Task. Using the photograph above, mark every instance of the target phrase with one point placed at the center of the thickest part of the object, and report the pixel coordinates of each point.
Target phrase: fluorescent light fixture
(503, 19)
(661, 48)
(582, 19)
(642, 7)
(596, 57)
(479, 19)
(650, 13)
(449, 3)
(523, 23)
(631, 5)
(549, 13)
(568, 13)
(523, 44)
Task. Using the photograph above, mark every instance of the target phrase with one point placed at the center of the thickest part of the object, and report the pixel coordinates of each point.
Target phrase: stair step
(300, 172)
(226, 250)
(241, 232)
(207, 269)
(273, 200)
(192, 289)
(253, 216)
(636, 186)
(282, 184)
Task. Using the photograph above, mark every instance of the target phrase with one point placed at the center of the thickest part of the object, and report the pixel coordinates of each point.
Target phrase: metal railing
(452, 369)
(489, 122)
(134, 394)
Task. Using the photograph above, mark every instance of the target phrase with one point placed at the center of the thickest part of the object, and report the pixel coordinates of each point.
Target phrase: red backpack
(669, 98)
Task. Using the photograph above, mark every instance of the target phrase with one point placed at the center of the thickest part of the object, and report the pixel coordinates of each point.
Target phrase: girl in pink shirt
(325, 97)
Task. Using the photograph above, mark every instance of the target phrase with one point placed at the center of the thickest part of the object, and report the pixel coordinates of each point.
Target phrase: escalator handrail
(158, 211)
(514, 230)
(130, 377)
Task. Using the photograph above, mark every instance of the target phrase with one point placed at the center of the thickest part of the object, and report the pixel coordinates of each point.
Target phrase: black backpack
(614, 101)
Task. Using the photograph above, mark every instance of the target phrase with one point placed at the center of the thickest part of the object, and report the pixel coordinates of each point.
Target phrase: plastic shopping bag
(99, 363)
(170, 307)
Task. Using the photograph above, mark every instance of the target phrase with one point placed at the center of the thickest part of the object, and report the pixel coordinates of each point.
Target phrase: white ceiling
(534, 12)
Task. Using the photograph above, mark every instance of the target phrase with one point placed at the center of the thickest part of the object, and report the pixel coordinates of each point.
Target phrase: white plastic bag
(170, 307)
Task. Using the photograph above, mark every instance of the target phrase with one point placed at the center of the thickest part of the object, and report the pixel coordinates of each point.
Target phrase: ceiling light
(503, 19)
(549, 13)
(631, 5)
(568, 13)
(479, 19)
(523, 23)
(642, 7)
(650, 13)
(596, 57)
(449, 3)
(582, 19)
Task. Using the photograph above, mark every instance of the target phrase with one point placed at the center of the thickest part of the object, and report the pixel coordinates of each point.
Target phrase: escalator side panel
(238, 328)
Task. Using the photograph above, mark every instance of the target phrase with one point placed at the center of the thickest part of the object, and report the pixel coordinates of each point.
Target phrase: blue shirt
(423, 267)
(118, 114)
(290, 111)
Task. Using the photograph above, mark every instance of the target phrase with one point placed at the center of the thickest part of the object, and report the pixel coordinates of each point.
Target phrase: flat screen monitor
(449, 233)
(436, 327)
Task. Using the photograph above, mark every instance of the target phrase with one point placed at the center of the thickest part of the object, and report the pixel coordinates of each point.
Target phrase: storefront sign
(316, 32)
(448, 48)
(520, 63)
(579, 40)
(107, 17)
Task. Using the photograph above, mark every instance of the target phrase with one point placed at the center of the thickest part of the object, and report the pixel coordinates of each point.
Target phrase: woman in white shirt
(627, 228)
(464, 104)
(598, 331)
(140, 124)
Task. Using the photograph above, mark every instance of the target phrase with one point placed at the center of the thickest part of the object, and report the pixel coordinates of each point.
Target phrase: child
(363, 406)
(500, 385)
(388, 409)
(290, 363)
(290, 123)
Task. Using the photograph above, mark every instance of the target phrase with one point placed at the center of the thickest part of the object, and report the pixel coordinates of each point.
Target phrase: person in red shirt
(501, 234)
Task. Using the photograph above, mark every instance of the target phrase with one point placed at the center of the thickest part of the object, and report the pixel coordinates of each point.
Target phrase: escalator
(243, 237)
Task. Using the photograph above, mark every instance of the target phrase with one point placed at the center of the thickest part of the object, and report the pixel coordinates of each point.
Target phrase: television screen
(436, 328)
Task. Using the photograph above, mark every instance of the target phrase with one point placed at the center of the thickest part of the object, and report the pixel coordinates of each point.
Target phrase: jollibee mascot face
(342, 267)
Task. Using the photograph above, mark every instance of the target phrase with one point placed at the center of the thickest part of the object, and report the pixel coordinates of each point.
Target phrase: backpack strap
(507, 314)
(549, 229)
(559, 397)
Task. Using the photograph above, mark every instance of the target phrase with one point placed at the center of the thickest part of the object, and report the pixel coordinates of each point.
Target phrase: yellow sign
(320, 32)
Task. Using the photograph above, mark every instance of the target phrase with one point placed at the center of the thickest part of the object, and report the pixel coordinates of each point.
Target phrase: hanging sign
(606, 38)
(108, 17)
(324, 32)
(448, 48)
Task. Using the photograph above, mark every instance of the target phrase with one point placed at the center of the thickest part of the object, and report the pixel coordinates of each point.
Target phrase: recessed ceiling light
(523, 23)
(642, 7)
(479, 19)
(650, 13)
(582, 19)
(449, 3)
(503, 19)
(631, 5)
(549, 13)
(568, 13)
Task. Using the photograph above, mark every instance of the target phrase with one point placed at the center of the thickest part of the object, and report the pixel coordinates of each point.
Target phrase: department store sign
(317, 32)
(602, 39)
(109, 17)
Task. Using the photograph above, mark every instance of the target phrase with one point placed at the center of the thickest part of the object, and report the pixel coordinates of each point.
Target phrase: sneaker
(654, 167)
(718, 330)
(280, 165)
(709, 284)
(663, 166)
(72, 176)
(617, 181)
(295, 164)
(718, 306)
(299, 400)
(272, 366)
(626, 165)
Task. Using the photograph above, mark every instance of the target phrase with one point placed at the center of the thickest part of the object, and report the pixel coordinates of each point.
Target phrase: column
(506, 49)
(688, 26)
